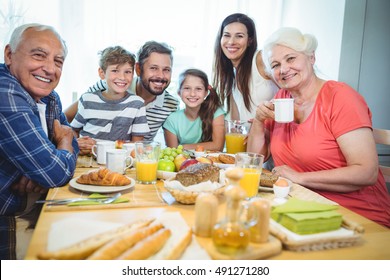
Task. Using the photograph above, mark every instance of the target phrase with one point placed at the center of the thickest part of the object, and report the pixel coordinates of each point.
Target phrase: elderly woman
(329, 147)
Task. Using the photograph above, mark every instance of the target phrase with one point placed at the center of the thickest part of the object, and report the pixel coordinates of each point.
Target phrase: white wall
(323, 19)
(365, 52)
(90, 25)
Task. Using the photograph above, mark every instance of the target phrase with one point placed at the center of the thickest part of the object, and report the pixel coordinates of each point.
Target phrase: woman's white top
(260, 90)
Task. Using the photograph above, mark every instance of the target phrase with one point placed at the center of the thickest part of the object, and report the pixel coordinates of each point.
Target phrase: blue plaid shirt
(25, 149)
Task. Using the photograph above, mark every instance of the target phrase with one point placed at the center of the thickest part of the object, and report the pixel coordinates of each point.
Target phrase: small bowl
(199, 154)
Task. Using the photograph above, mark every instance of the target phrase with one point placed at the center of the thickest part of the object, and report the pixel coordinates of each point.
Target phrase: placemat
(302, 193)
(139, 196)
(87, 161)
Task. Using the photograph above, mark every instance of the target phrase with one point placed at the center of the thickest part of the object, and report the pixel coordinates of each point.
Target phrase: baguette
(117, 246)
(86, 247)
(147, 247)
(175, 252)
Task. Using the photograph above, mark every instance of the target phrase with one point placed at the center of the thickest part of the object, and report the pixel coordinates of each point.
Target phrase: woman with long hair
(239, 74)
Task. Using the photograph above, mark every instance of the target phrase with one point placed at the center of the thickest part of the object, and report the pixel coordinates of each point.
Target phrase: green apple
(166, 165)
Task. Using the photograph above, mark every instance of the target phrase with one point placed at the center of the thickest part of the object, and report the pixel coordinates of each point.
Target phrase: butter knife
(168, 198)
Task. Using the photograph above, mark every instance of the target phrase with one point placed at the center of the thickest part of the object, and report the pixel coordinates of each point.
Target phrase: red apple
(179, 159)
(187, 163)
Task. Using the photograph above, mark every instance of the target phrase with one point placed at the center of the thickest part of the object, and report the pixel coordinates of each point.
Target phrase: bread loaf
(267, 178)
(103, 177)
(197, 173)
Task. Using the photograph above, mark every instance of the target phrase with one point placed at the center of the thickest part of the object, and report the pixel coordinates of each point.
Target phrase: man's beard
(146, 85)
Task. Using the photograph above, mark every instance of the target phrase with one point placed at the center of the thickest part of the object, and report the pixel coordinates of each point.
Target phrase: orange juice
(251, 180)
(235, 143)
(146, 172)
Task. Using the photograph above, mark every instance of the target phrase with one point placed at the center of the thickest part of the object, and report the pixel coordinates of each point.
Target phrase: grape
(171, 153)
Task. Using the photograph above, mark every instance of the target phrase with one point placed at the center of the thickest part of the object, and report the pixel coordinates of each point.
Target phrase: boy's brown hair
(115, 55)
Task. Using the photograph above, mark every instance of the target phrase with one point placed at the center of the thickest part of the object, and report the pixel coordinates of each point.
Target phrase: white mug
(118, 160)
(129, 147)
(99, 150)
(284, 110)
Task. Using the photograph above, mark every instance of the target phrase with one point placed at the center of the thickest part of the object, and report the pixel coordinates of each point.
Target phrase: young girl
(112, 114)
(202, 120)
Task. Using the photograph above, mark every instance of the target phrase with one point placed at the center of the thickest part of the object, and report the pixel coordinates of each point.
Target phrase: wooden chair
(382, 136)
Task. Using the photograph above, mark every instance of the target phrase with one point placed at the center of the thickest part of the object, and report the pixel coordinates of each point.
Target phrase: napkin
(97, 195)
(307, 217)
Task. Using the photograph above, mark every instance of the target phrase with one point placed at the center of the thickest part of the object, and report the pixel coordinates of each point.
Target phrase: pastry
(226, 159)
(214, 159)
(103, 177)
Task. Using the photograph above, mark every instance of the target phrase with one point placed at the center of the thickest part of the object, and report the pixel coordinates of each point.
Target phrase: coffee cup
(118, 160)
(130, 148)
(99, 150)
(284, 110)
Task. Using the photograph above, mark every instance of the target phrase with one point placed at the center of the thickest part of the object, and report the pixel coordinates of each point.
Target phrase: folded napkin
(97, 195)
(307, 217)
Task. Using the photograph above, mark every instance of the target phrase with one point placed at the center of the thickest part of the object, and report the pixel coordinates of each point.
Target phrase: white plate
(266, 189)
(165, 175)
(100, 189)
(221, 165)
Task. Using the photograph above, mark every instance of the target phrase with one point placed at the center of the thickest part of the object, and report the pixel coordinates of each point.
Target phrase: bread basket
(189, 197)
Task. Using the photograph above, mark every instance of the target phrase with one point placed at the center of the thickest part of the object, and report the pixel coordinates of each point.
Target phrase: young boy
(112, 114)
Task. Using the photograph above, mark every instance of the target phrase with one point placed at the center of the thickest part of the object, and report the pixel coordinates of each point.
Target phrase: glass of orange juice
(147, 154)
(236, 131)
(252, 164)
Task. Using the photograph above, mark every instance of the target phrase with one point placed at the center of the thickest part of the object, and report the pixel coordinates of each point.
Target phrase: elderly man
(37, 148)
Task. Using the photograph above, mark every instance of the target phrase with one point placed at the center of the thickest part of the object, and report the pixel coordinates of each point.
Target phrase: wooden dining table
(148, 200)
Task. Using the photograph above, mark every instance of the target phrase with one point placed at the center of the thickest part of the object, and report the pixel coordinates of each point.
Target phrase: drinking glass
(147, 155)
(252, 165)
(236, 132)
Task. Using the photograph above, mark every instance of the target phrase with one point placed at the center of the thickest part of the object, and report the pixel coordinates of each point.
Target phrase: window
(190, 27)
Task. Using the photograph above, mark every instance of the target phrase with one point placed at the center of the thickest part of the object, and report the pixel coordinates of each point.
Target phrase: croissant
(103, 177)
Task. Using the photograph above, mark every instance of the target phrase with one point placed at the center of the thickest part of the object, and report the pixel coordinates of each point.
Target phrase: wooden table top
(374, 244)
